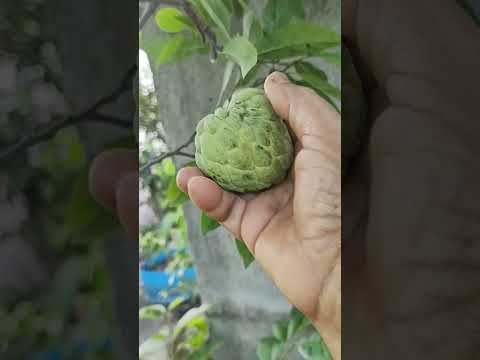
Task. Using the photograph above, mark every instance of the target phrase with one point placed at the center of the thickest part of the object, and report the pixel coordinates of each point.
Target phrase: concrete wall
(246, 301)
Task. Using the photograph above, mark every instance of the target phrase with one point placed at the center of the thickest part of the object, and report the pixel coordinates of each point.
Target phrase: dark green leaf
(207, 224)
(280, 330)
(319, 93)
(170, 20)
(314, 348)
(322, 86)
(243, 52)
(250, 77)
(279, 13)
(245, 254)
(303, 67)
(297, 321)
(296, 34)
(303, 51)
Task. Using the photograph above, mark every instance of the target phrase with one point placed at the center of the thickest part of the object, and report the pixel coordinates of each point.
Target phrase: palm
(411, 189)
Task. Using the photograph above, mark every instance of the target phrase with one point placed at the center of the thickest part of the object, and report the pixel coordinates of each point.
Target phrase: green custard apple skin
(244, 146)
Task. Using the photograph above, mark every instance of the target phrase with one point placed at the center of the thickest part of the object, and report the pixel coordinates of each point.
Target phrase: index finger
(315, 123)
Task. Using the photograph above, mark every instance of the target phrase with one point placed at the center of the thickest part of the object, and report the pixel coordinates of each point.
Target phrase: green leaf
(207, 224)
(227, 75)
(265, 347)
(170, 20)
(332, 58)
(297, 34)
(173, 48)
(316, 79)
(279, 13)
(219, 14)
(243, 52)
(173, 195)
(176, 303)
(247, 22)
(302, 51)
(297, 321)
(152, 312)
(280, 330)
(205, 352)
(314, 348)
(319, 93)
(245, 254)
(252, 74)
(278, 351)
(303, 67)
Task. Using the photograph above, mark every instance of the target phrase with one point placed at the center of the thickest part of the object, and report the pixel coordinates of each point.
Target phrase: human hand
(113, 181)
(410, 214)
(293, 229)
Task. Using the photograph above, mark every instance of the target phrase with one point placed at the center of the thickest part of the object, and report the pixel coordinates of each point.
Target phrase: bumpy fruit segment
(244, 146)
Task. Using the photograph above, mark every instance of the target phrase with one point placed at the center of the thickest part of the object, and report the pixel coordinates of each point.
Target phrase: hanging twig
(178, 151)
(46, 132)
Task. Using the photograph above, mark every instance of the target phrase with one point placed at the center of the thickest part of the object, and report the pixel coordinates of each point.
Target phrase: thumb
(314, 122)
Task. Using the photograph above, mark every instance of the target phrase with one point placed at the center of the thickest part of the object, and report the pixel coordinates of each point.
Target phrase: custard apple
(244, 146)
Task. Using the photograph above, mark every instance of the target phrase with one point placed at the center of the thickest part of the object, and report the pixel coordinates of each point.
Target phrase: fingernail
(278, 78)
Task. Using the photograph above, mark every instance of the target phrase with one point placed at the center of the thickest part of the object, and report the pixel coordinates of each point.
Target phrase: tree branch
(46, 132)
(151, 8)
(178, 151)
(208, 36)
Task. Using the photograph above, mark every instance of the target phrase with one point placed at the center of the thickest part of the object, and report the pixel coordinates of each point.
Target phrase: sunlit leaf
(176, 303)
(243, 52)
(170, 20)
(152, 312)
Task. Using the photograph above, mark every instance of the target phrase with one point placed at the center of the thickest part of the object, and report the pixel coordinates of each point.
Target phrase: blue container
(162, 287)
